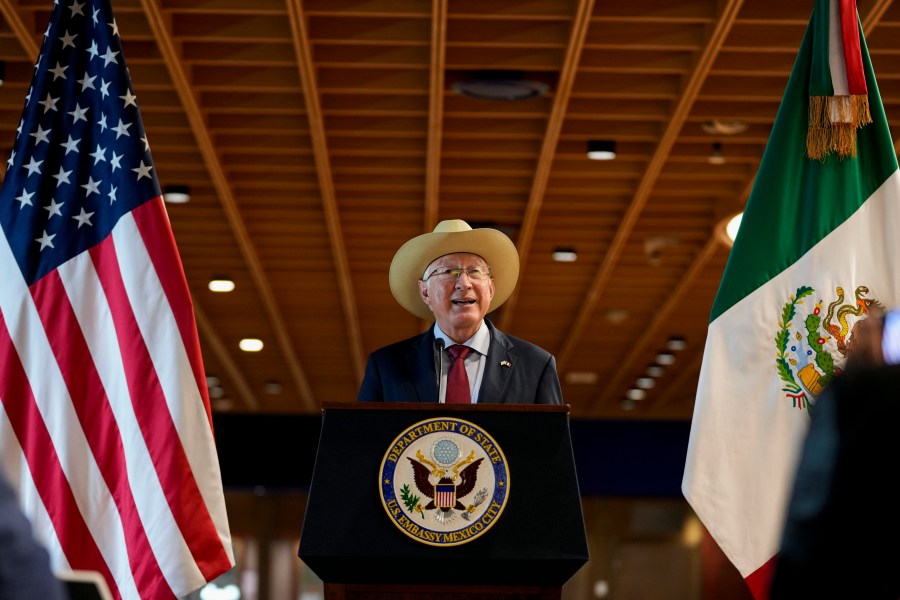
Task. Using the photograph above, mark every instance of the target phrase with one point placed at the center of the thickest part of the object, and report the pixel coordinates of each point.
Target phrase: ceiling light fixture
(731, 228)
(500, 85)
(644, 383)
(565, 255)
(655, 371)
(601, 149)
(221, 284)
(2, 72)
(727, 228)
(724, 127)
(635, 394)
(716, 157)
(676, 343)
(665, 358)
(177, 194)
(250, 345)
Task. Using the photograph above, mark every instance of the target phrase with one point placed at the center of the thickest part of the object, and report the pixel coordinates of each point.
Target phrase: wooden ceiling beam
(654, 168)
(580, 22)
(307, 69)
(172, 57)
(435, 114)
(13, 19)
(638, 352)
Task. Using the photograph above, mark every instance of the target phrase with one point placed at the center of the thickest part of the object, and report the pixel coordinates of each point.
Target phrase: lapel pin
(505, 363)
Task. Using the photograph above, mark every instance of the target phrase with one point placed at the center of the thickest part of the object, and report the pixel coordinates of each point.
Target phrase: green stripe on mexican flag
(819, 244)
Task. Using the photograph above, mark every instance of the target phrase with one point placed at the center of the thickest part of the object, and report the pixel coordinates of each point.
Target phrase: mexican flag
(817, 250)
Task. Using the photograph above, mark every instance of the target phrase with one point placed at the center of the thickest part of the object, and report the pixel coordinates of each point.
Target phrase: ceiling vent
(724, 127)
(500, 85)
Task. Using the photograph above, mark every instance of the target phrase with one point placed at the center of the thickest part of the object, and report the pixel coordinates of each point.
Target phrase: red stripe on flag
(155, 420)
(43, 461)
(760, 580)
(99, 424)
(153, 223)
(856, 78)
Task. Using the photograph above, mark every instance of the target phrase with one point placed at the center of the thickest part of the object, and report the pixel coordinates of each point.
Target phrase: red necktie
(457, 380)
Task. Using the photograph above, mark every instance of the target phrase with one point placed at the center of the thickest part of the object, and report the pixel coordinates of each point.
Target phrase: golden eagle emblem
(444, 481)
(811, 348)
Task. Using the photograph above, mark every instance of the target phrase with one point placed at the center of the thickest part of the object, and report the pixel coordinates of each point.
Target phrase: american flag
(445, 495)
(105, 424)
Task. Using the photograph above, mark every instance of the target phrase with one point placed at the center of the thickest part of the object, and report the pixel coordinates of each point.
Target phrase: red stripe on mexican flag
(818, 248)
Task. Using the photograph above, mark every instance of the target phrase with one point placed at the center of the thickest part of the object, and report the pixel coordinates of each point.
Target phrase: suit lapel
(497, 371)
(420, 359)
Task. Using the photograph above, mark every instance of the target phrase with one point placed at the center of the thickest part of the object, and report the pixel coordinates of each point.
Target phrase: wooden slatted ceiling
(319, 135)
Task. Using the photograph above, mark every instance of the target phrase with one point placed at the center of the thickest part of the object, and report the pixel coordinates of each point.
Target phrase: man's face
(458, 303)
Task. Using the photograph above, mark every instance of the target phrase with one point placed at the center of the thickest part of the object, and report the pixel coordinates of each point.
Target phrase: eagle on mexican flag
(818, 250)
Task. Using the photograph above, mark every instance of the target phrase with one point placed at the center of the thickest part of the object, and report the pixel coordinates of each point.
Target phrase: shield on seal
(445, 495)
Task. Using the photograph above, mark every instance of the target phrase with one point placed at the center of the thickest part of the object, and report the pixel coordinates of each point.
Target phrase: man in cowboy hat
(456, 275)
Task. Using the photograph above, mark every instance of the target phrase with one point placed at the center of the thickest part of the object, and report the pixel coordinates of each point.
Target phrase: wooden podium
(531, 549)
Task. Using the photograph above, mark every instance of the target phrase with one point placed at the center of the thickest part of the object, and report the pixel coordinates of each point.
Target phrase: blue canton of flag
(81, 158)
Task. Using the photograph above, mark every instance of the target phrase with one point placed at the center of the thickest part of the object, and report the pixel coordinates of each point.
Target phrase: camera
(890, 337)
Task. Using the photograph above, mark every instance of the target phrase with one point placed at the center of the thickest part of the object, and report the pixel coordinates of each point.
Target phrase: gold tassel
(817, 134)
(833, 121)
(843, 140)
(860, 108)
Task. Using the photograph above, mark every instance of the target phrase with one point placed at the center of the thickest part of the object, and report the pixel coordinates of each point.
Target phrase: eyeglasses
(447, 274)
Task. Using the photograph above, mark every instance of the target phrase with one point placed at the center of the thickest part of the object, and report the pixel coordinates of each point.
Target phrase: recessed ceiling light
(221, 285)
(645, 383)
(601, 149)
(250, 345)
(676, 343)
(177, 194)
(627, 404)
(635, 394)
(212, 381)
(665, 358)
(272, 387)
(565, 255)
(655, 371)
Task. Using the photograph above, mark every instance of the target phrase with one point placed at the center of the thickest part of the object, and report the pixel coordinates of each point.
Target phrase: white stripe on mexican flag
(818, 245)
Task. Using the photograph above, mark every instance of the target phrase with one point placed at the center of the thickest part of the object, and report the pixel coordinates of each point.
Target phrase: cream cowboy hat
(450, 237)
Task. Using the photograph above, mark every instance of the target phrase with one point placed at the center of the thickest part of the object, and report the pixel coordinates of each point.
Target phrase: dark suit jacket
(24, 564)
(405, 372)
(842, 526)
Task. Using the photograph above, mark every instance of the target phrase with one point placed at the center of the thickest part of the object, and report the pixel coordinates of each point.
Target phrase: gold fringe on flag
(833, 121)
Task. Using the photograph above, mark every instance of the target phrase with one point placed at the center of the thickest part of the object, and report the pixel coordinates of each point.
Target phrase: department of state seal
(444, 481)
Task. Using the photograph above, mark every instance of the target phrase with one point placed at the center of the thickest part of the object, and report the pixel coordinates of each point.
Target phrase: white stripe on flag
(836, 60)
(170, 359)
(54, 403)
(90, 305)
